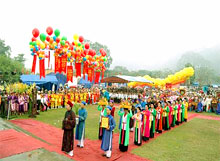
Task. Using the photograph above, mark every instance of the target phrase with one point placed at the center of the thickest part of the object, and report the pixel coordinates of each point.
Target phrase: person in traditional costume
(174, 113)
(113, 108)
(103, 113)
(166, 110)
(124, 128)
(170, 114)
(21, 104)
(146, 124)
(159, 118)
(218, 108)
(26, 101)
(68, 127)
(137, 137)
(186, 105)
(106, 145)
(178, 113)
(80, 128)
(199, 106)
(182, 111)
(153, 114)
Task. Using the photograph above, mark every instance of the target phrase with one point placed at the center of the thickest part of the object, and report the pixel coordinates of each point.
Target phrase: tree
(20, 58)
(97, 46)
(4, 50)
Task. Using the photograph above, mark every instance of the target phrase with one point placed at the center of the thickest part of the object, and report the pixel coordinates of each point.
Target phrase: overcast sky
(140, 34)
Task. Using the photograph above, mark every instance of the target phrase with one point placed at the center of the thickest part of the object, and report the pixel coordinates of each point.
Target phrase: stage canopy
(45, 83)
(125, 79)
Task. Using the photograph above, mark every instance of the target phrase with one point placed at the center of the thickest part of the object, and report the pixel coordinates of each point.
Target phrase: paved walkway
(52, 138)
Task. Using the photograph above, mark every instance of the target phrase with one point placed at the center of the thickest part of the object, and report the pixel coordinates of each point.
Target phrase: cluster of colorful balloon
(76, 51)
(177, 78)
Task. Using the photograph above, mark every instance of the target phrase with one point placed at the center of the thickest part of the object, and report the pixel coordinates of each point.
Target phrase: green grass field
(197, 140)
(207, 114)
(55, 116)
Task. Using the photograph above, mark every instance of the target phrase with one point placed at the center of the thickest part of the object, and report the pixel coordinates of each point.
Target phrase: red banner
(63, 63)
(97, 76)
(57, 64)
(78, 69)
(42, 68)
(69, 74)
(34, 64)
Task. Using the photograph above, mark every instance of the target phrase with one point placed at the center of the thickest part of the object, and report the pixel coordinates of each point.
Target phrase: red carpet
(92, 150)
(13, 142)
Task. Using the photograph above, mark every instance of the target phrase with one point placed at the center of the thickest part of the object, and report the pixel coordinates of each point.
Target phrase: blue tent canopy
(85, 82)
(60, 78)
(45, 83)
(125, 79)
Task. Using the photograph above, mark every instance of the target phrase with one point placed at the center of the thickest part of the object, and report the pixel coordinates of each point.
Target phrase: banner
(34, 64)
(57, 64)
(78, 69)
(42, 68)
(90, 74)
(97, 76)
(69, 74)
(63, 63)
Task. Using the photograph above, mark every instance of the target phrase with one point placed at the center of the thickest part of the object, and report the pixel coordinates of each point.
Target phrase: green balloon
(79, 44)
(42, 37)
(64, 38)
(34, 43)
(62, 42)
(57, 32)
(30, 43)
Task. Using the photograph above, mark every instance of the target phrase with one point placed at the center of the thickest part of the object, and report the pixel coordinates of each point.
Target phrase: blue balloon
(32, 54)
(84, 59)
(56, 47)
(32, 49)
(54, 38)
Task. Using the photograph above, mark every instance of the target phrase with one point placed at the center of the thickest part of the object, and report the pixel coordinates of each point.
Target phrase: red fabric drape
(69, 73)
(57, 64)
(97, 76)
(34, 64)
(90, 74)
(42, 68)
(78, 69)
(63, 63)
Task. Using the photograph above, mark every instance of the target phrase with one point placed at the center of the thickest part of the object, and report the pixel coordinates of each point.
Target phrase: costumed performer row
(80, 128)
(106, 145)
(68, 127)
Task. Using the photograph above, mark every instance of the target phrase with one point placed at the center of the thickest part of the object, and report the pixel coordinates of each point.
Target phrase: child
(80, 128)
(107, 134)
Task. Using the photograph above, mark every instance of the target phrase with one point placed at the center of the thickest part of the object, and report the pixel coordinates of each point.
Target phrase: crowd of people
(142, 116)
(19, 104)
(142, 112)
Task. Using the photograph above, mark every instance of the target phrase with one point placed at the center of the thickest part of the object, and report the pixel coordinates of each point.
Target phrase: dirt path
(53, 137)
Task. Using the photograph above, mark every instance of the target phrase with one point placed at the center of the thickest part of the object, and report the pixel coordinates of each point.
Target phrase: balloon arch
(66, 55)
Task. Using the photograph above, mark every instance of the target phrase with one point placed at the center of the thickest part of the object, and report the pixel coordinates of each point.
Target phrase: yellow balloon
(75, 37)
(38, 42)
(69, 54)
(42, 45)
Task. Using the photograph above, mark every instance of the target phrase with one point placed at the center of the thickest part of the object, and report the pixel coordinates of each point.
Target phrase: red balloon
(57, 39)
(48, 38)
(81, 39)
(93, 53)
(90, 52)
(86, 51)
(87, 46)
(33, 39)
(49, 30)
(35, 32)
(101, 50)
(73, 43)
